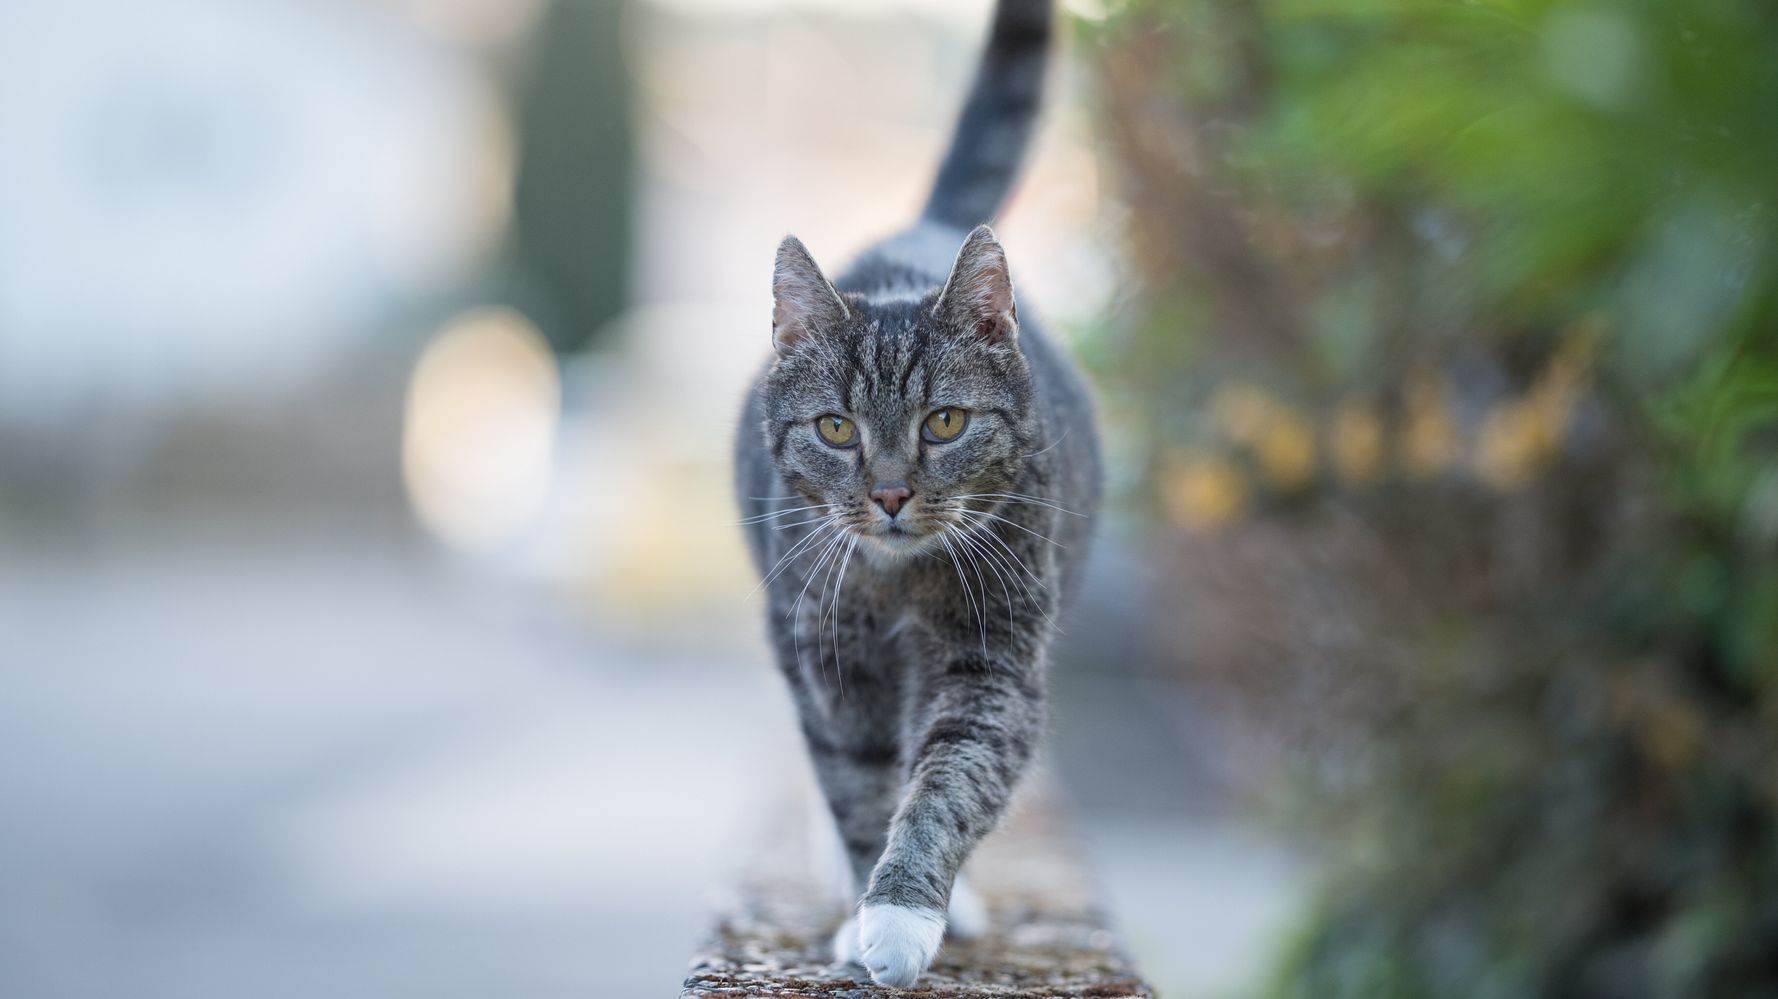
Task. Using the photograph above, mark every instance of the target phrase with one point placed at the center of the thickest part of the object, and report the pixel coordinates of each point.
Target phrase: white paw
(845, 943)
(897, 943)
(969, 914)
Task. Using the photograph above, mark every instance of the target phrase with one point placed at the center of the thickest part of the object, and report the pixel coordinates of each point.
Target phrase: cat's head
(904, 418)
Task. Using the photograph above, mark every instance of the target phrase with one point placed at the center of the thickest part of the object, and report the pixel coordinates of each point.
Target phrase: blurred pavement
(320, 765)
(326, 763)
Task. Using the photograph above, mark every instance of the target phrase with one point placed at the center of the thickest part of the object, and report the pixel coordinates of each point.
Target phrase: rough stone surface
(1047, 937)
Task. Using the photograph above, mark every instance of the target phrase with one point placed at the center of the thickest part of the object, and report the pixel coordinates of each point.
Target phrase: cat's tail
(997, 119)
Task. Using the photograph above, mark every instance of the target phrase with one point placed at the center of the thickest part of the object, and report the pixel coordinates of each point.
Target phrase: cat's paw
(845, 943)
(897, 942)
(968, 918)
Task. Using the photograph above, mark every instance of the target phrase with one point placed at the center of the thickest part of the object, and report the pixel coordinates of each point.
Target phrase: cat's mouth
(898, 530)
(901, 535)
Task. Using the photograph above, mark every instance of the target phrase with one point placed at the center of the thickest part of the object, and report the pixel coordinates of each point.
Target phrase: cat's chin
(897, 543)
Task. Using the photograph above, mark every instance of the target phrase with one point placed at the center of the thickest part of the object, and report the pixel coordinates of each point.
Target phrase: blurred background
(373, 619)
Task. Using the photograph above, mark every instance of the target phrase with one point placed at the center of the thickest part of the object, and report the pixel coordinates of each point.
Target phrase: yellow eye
(945, 424)
(836, 430)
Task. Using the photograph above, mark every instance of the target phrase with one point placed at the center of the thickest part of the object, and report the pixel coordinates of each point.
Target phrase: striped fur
(914, 646)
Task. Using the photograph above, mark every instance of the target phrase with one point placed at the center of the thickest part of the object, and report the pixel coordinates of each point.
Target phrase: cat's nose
(890, 496)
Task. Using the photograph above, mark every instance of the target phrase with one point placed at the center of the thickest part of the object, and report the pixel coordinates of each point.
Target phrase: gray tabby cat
(915, 419)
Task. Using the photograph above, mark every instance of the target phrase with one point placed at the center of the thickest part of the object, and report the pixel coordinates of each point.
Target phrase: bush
(1475, 306)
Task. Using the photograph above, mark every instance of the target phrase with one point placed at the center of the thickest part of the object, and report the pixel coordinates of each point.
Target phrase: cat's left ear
(804, 302)
(978, 294)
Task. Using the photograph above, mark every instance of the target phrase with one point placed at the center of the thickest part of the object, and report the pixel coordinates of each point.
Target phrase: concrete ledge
(1048, 938)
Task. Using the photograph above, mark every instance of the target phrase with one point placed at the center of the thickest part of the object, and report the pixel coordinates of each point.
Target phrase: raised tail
(995, 126)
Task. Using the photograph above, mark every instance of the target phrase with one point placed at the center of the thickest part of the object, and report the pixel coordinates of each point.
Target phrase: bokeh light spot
(480, 428)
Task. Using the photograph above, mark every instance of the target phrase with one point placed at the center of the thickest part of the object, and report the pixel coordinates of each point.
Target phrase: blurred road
(325, 764)
(315, 766)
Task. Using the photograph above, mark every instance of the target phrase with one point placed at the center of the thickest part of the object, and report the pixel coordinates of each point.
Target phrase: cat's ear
(803, 301)
(978, 294)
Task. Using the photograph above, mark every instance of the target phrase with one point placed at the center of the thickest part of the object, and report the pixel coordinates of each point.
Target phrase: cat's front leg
(977, 731)
(852, 729)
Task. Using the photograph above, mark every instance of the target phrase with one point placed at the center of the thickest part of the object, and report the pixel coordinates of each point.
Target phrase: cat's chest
(876, 595)
(900, 595)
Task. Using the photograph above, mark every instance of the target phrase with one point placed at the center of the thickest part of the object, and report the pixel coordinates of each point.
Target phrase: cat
(921, 470)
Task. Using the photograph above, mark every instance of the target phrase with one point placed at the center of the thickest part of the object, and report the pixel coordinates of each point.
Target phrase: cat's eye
(837, 430)
(945, 424)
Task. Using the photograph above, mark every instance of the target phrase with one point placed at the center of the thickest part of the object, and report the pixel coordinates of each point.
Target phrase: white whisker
(983, 615)
(838, 667)
(967, 594)
(988, 535)
(839, 538)
(1005, 551)
(804, 523)
(983, 537)
(802, 546)
(1022, 499)
(964, 537)
(1011, 523)
(1058, 440)
(796, 638)
(758, 518)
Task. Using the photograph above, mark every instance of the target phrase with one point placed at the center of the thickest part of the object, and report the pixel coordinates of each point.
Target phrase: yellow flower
(1286, 450)
(1429, 434)
(1202, 492)
(1520, 438)
(1357, 444)
(1282, 441)
(1512, 445)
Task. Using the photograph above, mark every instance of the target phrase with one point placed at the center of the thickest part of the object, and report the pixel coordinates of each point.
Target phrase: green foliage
(1579, 798)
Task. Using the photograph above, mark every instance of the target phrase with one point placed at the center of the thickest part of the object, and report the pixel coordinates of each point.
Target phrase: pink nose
(890, 496)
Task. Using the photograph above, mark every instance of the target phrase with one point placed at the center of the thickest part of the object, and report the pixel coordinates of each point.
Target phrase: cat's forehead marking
(890, 363)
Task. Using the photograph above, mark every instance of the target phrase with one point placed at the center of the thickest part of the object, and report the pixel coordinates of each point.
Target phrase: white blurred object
(479, 434)
(206, 199)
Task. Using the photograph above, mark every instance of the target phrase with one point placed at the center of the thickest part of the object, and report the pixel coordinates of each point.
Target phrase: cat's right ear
(803, 301)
